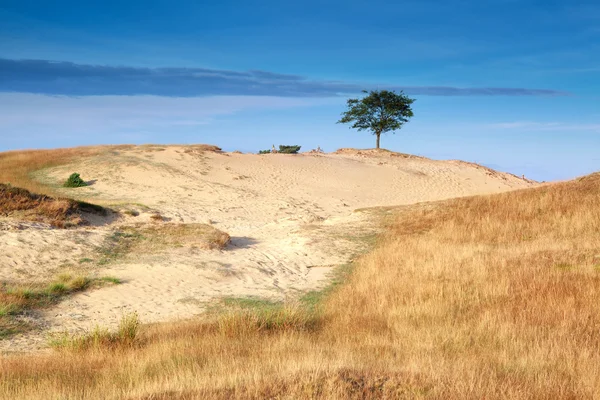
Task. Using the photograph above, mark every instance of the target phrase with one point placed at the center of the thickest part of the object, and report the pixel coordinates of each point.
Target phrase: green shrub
(264, 152)
(75, 181)
(289, 149)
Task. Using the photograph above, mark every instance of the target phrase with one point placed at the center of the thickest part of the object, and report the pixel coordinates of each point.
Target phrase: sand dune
(291, 218)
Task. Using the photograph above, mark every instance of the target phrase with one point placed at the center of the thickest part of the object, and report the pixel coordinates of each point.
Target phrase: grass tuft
(101, 339)
(111, 279)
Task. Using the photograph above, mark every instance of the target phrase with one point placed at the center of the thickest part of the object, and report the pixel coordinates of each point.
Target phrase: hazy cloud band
(70, 79)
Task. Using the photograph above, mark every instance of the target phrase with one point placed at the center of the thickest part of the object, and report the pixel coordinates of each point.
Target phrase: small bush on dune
(264, 152)
(74, 181)
(289, 149)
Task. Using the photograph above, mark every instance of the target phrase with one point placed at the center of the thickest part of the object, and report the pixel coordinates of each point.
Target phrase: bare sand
(291, 218)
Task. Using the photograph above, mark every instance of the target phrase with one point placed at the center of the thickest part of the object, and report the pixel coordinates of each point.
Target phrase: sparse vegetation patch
(62, 213)
(153, 239)
(18, 299)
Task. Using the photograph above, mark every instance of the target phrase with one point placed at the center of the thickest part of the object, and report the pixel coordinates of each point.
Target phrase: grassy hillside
(483, 297)
(17, 167)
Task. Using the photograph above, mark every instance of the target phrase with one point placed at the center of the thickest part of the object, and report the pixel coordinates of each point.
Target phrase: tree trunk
(378, 136)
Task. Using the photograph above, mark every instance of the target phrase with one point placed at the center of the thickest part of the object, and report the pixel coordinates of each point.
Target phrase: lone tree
(380, 111)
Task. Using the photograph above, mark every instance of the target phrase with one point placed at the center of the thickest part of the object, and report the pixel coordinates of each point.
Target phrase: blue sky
(507, 83)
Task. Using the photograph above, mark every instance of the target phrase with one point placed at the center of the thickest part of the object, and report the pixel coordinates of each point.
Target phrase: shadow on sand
(242, 242)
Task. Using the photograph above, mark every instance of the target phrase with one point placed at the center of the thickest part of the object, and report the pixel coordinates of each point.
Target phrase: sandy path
(290, 218)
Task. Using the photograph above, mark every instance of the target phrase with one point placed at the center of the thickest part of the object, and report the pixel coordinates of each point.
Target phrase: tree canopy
(379, 111)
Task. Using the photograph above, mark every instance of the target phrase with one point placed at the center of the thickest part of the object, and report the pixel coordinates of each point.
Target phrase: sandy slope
(290, 217)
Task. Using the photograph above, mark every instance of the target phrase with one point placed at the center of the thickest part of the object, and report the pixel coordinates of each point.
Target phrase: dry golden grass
(201, 148)
(61, 213)
(16, 167)
(483, 297)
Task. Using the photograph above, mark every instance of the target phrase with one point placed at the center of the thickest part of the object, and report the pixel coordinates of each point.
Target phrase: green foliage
(111, 279)
(289, 149)
(251, 303)
(380, 111)
(57, 287)
(284, 149)
(74, 181)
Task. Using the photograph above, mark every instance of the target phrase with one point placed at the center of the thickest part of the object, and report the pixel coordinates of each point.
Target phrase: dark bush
(264, 152)
(75, 181)
(289, 149)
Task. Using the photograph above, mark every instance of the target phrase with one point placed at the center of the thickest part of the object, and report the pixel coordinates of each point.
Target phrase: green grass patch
(17, 299)
(111, 279)
(312, 300)
(118, 245)
(250, 303)
(57, 288)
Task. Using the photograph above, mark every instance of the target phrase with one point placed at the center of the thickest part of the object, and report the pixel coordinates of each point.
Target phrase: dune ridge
(291, 218)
